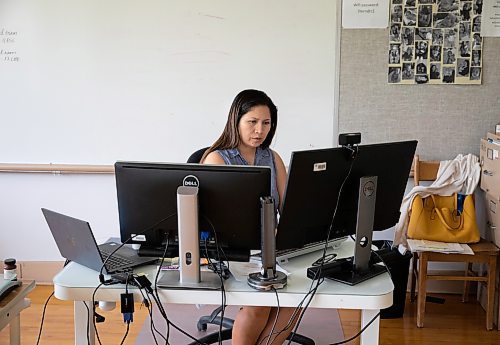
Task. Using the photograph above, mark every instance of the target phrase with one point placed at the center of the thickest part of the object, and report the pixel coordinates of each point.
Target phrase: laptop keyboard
(114, 261)
(283, 255)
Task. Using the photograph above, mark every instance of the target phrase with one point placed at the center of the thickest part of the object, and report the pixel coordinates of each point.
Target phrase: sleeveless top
(263, 157)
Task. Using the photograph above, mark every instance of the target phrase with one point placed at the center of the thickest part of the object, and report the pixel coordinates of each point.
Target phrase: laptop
(77, 243)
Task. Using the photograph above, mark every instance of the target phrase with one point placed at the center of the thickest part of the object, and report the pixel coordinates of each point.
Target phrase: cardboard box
(492, 233)
(490, 173)
(494, 137)
(492, 206)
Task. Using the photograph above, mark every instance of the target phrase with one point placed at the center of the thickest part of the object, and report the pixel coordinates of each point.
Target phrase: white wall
(24, 234)
(105, 80)
(100, 81)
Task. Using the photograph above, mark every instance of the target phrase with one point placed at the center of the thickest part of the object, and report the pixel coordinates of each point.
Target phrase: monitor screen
(228, 201)
(314, 181)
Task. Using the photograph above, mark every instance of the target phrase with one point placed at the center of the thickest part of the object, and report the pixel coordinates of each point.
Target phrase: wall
(24, 234)
(445, 119)
(100, 81)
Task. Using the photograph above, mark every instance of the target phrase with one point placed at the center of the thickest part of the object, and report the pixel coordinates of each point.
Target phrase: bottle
(9, 269)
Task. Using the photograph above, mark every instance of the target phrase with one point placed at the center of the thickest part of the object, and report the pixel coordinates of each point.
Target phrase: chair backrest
(196, 156)
(424, 170)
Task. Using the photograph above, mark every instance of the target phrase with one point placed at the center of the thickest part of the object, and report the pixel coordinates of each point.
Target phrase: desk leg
(13, 318)
(371, 334)
(82, 319)
(15, 330)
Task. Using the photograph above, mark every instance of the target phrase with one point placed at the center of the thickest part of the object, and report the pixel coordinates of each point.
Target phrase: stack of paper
(440, 247)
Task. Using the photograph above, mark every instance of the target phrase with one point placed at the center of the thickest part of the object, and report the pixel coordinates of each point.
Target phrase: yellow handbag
(436, 218)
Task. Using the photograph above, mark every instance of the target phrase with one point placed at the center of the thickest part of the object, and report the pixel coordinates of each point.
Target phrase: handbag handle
(441, 217)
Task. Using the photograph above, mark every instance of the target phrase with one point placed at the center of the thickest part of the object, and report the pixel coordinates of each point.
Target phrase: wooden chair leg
(468, 269)
(492, 272)
(414, 276)
(422, 288)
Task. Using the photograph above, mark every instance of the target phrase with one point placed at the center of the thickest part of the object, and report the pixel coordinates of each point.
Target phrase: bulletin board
(435, 42)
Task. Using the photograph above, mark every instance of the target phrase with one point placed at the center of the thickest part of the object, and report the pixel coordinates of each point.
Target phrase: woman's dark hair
(242, 104)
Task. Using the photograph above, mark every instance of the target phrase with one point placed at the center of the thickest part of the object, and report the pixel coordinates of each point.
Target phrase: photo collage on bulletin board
(435, 42)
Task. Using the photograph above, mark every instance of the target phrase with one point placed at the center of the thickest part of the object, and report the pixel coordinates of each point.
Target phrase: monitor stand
(268, 278)
(189, 274)
(359, 268)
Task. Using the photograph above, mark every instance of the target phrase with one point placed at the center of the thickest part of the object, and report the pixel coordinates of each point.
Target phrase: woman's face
(254, 126)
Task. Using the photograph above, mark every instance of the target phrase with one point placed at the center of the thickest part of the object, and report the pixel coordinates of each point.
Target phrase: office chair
(226, 322)
(196, 156)
(485, 252)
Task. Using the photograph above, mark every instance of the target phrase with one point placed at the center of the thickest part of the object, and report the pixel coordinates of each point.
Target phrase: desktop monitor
(314, 181)
(228, 202)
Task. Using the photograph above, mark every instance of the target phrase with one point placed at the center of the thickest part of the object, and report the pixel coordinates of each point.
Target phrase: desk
(77, 283)
(11, 307)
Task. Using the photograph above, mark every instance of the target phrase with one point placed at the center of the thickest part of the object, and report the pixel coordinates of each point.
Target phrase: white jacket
(459, 175)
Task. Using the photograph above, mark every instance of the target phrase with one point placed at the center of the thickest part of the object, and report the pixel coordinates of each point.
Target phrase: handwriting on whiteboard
(8, 52)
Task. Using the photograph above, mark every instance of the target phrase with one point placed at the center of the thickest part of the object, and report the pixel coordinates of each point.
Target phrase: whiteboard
(95, 81)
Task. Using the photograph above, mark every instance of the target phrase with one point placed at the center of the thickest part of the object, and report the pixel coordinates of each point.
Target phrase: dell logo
(369, 189)
(191, 181)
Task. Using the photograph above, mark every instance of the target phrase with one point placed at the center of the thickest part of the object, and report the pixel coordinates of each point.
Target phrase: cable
(88, 323)
(112, 281)
(218, 271)
(309, 295)
(325, 259)
(43, 317)
(146, 298)
(126, 333)
(322, 260)
(160, 306)
(158, 302)
(379, 257)
(101, 274)
(93, 318)
(382, 260)
(325, 248)
(271, 333)
(359, 333)
(156, 298)
(45, 307)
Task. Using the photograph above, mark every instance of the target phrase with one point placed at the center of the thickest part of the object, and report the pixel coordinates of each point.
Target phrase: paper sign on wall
(491, 18)
(365, 14)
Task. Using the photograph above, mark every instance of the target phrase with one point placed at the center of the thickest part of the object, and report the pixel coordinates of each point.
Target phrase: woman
(476, 58)
(249, 130)
(449, 57)
(394, 54)
(463, 67)
(435, 71)
(435, 53)
(395, 33)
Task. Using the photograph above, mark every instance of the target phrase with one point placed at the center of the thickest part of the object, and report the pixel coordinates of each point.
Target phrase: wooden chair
(485, 252)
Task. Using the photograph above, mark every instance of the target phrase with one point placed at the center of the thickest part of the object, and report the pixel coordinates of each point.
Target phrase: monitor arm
(268, 277)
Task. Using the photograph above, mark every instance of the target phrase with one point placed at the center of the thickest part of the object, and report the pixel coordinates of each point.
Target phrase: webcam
(349, 139)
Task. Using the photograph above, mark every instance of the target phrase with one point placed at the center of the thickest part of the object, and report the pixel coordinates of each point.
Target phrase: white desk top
(76, 282)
